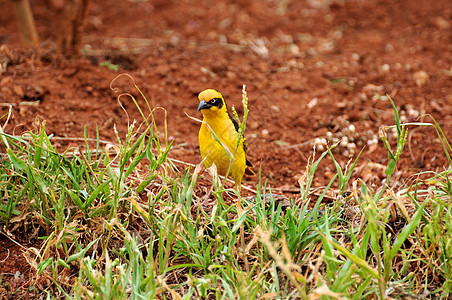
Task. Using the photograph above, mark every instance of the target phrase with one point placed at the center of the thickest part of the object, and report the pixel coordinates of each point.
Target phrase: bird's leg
(238, 187)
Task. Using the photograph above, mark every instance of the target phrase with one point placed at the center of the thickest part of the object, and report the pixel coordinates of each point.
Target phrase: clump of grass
(119, 221)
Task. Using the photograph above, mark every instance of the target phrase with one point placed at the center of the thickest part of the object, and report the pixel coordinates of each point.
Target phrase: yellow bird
(217, 119)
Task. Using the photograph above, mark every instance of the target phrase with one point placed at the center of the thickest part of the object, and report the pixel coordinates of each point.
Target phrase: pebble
(313, 102)
(329, 135)
(254, 125)
(18, 91)
(344, 143)
(403, 118)
(294, 49)
(275, 108)
(441, 23)
(385, 68)
(420, 78)
(231, 75)
(6, 81)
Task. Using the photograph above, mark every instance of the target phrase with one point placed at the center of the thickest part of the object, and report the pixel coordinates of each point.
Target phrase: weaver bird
(217, 119)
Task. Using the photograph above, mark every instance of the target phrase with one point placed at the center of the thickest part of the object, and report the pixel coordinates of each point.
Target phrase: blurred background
(316, 72)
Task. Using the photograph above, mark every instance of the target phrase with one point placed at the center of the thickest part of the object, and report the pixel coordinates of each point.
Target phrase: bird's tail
(248, 170)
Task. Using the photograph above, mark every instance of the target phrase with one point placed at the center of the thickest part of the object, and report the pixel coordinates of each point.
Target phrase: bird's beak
(203, 105)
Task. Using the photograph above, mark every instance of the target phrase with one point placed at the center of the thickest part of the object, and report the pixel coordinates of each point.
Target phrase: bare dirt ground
(313, 70)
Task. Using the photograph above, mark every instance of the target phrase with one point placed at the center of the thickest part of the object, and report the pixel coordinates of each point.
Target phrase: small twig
(23, 103)
(82, 155)
(79, 139)
(5, 141)
(13, 241)
(6, 257)
(297, 145)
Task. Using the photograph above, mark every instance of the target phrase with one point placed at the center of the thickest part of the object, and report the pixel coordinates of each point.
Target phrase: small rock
(342, 104)
(57, 4)
(5, 90)
(6, 81)
(265, 133)
(355, 57)
(231, 75)
(329, 135)
(254, 125)
(313, 102)
(294, 49)
(371, 88)
(35, 92)
(344, 142)
(434, 104)
(441, 23)
(275, 108)
(420, 77)
(18, 91)
(372, 146)
(385, 68)
(403, 118)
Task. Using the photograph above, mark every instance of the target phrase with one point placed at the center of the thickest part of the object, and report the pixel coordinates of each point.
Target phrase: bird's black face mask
(218, 102)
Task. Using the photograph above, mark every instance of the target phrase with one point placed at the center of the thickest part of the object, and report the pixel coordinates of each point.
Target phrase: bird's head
(211, 102)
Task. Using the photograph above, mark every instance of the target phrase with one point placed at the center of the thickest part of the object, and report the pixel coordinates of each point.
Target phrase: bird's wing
(249, 165)
(236, 125)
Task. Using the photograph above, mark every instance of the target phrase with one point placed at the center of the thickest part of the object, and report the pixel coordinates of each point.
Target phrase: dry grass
(121, 221)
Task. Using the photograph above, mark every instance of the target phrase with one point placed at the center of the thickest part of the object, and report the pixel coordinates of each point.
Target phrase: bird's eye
(213, 101)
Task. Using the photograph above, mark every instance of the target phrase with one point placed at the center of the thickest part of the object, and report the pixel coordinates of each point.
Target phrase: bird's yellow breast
(214, 152)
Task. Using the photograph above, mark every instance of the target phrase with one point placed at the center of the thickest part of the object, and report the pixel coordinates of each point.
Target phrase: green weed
(120, 221)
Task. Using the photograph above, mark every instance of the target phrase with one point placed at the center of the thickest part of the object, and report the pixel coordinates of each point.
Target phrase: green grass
(120, 221)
